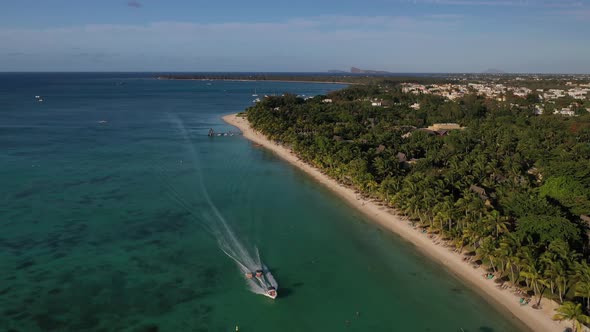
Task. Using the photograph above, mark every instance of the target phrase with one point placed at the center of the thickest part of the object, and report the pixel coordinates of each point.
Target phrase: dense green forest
(511, 189)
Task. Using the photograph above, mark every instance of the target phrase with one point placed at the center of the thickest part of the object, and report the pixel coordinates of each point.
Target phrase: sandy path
(536, 320)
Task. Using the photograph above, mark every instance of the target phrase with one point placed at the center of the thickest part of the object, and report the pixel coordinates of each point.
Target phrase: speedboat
(261, 279)
(271, 292)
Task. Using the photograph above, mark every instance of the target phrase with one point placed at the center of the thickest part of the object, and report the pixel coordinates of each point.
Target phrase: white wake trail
(214, 222)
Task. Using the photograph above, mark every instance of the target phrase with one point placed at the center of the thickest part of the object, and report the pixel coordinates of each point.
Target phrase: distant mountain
(355, 70)
(335, 71)
(494, 71)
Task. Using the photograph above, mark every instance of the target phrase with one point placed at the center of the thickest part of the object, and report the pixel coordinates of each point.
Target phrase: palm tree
(496, 222)
(527, 257)
(558, 260)
(572, 312)
(535, 275)
(487, 250)
(508, 249)
(583, 282)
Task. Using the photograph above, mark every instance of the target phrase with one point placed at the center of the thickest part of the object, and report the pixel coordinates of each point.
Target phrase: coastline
(536, 320)
(252, 80)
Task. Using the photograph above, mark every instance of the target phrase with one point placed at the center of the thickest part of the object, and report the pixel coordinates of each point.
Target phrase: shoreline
(538, 320)
(251, 80)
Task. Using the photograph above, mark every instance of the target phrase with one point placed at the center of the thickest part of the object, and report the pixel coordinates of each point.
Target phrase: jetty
(212, 133)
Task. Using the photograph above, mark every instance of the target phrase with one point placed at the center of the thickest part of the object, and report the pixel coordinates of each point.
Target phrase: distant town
(562, 94)
(575, 95)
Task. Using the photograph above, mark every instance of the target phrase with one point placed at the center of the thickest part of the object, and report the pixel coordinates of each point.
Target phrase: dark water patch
(167, 221)
(135, 212)
(485, 329)
(71, 184)
(47, 323)
(25, 264)
(209, 275)
(146, 265)
(12, 312)
(205, 309)
(86, 200)
(41, 275)
(54, 291)
(188, 294)
(113, 191)
(457, 290)
(5, 291)
(286, 292)
(22, 316)
(113, 197)
(70, 234)
(59, 241)
(23, 153)
(59, 255)
(11, 223)
(202, 315)
(17, 245)
(86, 320)
(29, 300)
(148, 328)
(25, 193)
(101, 179)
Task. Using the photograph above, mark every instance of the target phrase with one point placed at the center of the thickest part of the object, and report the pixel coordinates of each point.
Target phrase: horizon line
(287, 72)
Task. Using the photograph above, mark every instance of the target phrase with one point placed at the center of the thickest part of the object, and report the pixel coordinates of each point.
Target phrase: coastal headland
(538, 320)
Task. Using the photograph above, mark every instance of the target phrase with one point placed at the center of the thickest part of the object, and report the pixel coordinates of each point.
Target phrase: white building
(566, 111)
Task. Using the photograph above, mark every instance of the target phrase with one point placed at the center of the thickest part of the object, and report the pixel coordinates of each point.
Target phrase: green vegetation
(509, 190)
(572, 312)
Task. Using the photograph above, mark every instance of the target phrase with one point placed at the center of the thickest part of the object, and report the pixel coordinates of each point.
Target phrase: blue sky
(304, 35)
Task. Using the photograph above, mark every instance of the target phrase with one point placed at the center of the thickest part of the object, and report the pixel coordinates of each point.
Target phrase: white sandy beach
(536, 320)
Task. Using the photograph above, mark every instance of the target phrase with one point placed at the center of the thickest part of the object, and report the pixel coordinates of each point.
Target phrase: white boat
(37, 97)
(255, 94)
(257, 100)
(262, 279)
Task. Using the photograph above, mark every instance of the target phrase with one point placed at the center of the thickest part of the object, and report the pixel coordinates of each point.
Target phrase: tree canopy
(508, 185)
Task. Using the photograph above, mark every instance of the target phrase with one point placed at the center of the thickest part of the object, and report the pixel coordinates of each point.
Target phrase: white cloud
(509, 3)
(395, 43)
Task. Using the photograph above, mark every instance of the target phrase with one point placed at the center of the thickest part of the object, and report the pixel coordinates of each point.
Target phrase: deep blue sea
(93, 236)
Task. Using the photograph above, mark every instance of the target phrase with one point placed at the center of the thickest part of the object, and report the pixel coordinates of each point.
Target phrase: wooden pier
(212, 133)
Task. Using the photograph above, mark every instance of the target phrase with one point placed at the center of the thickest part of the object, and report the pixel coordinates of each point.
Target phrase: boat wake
(258, 277)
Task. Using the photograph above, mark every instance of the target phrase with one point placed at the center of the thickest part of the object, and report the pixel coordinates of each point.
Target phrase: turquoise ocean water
(93, 239)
